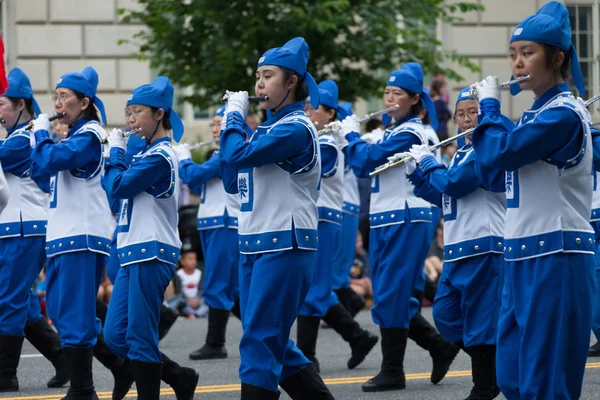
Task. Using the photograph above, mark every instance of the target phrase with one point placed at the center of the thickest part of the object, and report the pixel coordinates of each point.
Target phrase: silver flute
(454, 138)
(202, 144)
(337, 124)
(473, 91)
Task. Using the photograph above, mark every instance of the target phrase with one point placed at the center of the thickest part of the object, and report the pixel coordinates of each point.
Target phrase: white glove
(410, 165)
(350, 124)
(340, 138)
(369, 138)
(116, 140)
(40, 123)
(238, 101)
(182, 152)
(420, 151)
(489, 88)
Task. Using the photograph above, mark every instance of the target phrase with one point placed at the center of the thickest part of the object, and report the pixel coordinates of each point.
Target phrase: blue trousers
(73, 280)
(273, 287)
(544, 326)
(345, 250)
(34, 312)
(113, 264)
(422, 278)
(596, 315)
(222, 260)
(21, 260)
(320, 297)
(467, 301)
(131, 327)
(396, 255)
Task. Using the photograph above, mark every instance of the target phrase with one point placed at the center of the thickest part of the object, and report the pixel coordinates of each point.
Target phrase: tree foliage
(214, 45)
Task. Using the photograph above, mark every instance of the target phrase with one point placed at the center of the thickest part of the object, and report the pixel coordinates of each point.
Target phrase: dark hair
(550, 53)
(425, 118)
(166, 124)
(328, 109)
(374, 124)
(436, 88)
(90, 112)
(28, 103)
(301, 92)
(417, 108)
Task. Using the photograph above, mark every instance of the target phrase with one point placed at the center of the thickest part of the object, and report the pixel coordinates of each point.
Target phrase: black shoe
(251, 392)
(391, 376)
(10, 354)
(215, 336)
(483, 366)
(357, 303)
(594, 351)
(79, 364)
(166, 321)
(361, 341)
(307, 331)
(183, 380)
(120, 369)
(47, 342)
(147, 379)
(344, 297)
(442, 353)
(306, 384)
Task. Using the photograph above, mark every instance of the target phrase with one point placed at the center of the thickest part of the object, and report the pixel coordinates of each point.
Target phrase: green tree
(214, 45)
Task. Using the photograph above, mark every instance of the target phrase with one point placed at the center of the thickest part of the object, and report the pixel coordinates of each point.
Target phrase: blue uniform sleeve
(492, 179)
(113, 203)
(456, 182)
(555, 134)
(15, 155)
(196, 175)
(364, 157)
(282, 143)
(229, 176)
(596, 147)
(123, 183)
(76, 152)
(329, 160)
(424, 189)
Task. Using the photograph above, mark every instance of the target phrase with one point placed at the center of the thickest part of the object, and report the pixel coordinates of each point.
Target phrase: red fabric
(3, 81)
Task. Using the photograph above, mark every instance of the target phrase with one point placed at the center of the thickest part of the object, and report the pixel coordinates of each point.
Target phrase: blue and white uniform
(545, 317)
(321, 297)
(218, 223)
(79, 231)
(23, 220)
(595, 222)
(148, 242)
(400, 221)
(473, 201)
(277, 234)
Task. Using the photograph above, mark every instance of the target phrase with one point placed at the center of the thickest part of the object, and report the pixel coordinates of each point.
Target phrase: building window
(583, 37)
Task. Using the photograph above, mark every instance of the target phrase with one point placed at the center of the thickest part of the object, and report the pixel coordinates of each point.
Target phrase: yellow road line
(235, 387)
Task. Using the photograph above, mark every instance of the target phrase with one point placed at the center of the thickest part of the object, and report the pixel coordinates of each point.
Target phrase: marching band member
(22, 239)
(546, 312)
(321, 302)
(277, 233)
(345, 250)
(78, 235)
(473, 201)
(148, 241)
(400, 232)
(217, 222)
(594, 350)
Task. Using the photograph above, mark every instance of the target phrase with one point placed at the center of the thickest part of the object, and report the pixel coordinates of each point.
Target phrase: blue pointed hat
(220, 111)
(294, 56)
(410, 77)
(20, 88)
(159, 94)
(85, 82)
(328, 94)
(344, 110)
(551, 26)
